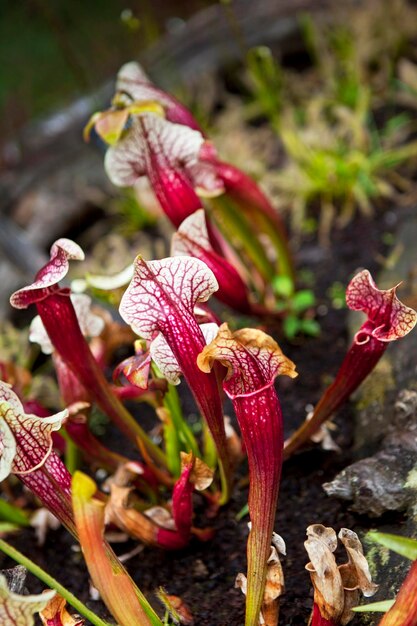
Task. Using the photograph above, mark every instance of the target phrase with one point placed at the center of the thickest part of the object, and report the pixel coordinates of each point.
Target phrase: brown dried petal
(355, 574)
(358, 562)
(241, 582)
(324, 573)
(274, 588)
(177, 608)
(201, 475)
(129, 520)
(56, 614)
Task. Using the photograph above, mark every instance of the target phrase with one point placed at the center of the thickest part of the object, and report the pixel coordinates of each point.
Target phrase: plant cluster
(231, 243)
(343, 152)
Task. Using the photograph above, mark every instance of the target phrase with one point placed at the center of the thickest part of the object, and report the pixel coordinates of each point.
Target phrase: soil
(203, 574)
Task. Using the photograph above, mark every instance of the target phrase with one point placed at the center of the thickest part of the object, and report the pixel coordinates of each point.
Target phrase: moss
(411, 483)
(377, 557)
(375, 387)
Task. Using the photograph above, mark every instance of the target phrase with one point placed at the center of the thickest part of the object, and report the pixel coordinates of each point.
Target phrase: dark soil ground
(203, 574)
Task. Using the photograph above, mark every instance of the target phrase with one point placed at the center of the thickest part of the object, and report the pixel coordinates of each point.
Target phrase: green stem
(241, 233)
(51, 583)
(72, 453)
(278, 239)
(172, 404)
(13, 514)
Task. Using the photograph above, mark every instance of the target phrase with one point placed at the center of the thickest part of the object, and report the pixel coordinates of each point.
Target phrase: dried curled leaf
(176, 607)
(119, 512)
(324, 573)
(201, 475)
(274, 586)
(357, 561)
(355, 574)
(390, 317)
(62, 251)
(337, 588)
(56, 614)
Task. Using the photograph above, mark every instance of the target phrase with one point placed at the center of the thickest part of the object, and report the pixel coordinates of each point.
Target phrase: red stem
(52, 485)
(245, 191)
(357, 365)
(318, 620)
(182, 512)
(187, 342)
(260, 421)
(61, 324)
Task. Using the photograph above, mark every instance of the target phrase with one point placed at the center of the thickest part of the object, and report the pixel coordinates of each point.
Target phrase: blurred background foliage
(54, 50)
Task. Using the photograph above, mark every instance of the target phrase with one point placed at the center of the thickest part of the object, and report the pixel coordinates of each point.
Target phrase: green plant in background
(336, 57)
(337, 161)
(339, 164)
(407, 72)
(13, 514)
(266, 82)
(360, 46)
(336, 293)
(133, 214)
(298, 306)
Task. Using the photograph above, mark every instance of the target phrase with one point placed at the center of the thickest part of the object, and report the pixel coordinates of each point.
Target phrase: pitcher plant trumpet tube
(253, 360)
(388, 319)
(159, 306)
(60, 321)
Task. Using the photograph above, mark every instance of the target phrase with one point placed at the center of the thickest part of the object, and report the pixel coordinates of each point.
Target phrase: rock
(376, 484)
